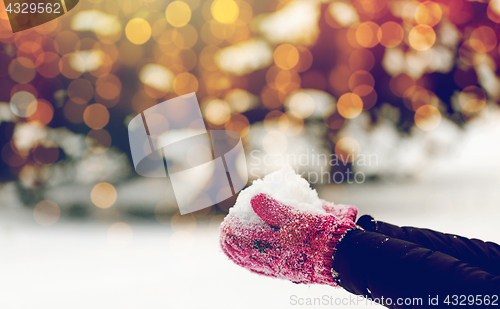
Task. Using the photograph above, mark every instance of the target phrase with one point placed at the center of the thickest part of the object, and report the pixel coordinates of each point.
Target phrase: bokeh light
(238, 123)
(347, 149)
(23, 104)
(350, 105)
(286, 56)
(483, 39)
(428, 13)
(427, 117)
(178, 13)
(390, 34)
(422, 37)
(300, 105)
(157, 77)
(361, 83)
(225, 11)
(138, 31)
(217, 111)
(185, 83)
(343, 14)
(80, 91)
(46, 213)
(367, 34)
(96, 116)
(103, 195)
(22, 70)
(43, 114)
(472, 99)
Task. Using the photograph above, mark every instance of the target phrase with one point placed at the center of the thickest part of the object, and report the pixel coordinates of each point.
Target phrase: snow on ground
(73, 265)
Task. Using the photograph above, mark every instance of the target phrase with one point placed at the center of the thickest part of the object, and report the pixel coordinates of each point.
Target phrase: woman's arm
(485, 255)
(375, 265)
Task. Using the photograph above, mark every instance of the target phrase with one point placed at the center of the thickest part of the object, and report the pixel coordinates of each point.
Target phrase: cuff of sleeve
(338, 247)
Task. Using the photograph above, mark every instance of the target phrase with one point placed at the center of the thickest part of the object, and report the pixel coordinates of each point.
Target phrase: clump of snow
(283, 185)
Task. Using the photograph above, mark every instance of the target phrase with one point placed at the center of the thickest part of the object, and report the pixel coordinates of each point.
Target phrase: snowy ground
(75, 264)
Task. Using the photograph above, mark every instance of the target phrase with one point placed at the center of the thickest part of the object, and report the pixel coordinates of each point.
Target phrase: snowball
(284, 186)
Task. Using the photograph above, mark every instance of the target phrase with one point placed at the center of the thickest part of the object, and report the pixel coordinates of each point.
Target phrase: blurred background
(412, 84)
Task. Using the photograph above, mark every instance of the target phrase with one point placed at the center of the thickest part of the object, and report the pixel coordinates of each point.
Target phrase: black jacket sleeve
(485, 255)
(394, 271)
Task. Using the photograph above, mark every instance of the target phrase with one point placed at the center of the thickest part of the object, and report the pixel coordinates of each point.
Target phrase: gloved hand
(289, 244)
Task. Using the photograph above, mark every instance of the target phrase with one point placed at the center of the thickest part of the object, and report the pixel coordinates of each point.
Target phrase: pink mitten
(290, 244)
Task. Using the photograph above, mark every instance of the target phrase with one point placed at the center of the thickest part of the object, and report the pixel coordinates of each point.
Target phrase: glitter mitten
(290, 243)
